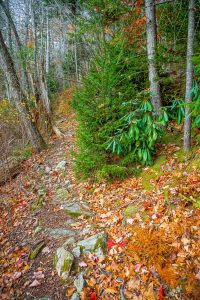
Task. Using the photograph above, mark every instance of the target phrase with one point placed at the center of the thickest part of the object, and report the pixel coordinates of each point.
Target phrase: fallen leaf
(34, 283)
(69, 292)
(93, 296)
(82, 264)
(38, 275)
(111, 243)
(17, 275)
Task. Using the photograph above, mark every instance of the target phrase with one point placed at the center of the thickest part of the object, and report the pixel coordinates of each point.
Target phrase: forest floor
(151, 223)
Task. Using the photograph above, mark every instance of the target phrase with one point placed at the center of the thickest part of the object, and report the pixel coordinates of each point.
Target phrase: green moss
(20, 154)
(100, 243)
(171, 138)
(191, 157)
(153, 172)
(66, 266)
(63, 194)
(36, 251)
(130, 211)
(194, 163)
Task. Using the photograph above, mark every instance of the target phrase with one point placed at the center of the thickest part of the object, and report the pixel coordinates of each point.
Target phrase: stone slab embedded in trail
(79, 282)
(76, 209)
(63, 262)
(58, 232)
(61, 166)
(93, 244)
(75, 296)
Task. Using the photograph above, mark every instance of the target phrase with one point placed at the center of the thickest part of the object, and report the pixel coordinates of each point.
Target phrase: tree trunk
(20, 99)
(189, 71)
(47, 44)
(151, 54)
(19, 45)
(74, 14)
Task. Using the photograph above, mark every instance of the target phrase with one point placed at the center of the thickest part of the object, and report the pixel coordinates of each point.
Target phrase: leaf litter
(152, 254)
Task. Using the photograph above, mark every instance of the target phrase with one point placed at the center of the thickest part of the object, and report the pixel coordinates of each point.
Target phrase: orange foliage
(135, 24)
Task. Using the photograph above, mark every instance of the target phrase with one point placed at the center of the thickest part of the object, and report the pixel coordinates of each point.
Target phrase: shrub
(100, 104)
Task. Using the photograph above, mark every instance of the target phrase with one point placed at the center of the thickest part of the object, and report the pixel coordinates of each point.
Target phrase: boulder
(79, 282)
(75, 296)
(76, 209)
(63, 262)
(93, 244)
(58, 232)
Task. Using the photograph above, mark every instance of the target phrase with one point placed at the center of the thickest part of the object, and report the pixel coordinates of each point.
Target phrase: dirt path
(32, 215)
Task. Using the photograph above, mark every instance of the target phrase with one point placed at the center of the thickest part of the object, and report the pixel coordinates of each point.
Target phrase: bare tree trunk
(189, 70)
(19, 44)
(151, 54)
(74, 13)
(9, 29)
(47, 44)
(20, 99)
(41, 91)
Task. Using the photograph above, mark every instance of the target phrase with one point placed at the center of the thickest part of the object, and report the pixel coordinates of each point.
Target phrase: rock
(93, 244)
(67, 182)
(58, 232)
(38, 229)
(76, 209)
(36, 250)
(61, 166)
(63, 262)
(77, 251)
(70, 221)
(45, 298)
(68, 242)
(75, 296)
(47, 170)
(86, 230)
(130, 211)
(79, 282)
(62, 194)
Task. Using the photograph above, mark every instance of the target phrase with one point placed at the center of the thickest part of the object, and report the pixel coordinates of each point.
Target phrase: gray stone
(69, 242)
(93, 244)
(63, 262)
(76, 209)
(47, 169)
(62, 194)
(45, 298)
(70, 221)
(38, 229)
(75, 296)
(79, 282)
(58, 232)
(77, 251)
(61, 166)
(67, 182)
(85, 231)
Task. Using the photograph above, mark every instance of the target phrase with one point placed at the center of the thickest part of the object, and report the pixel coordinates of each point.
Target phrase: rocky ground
(64, 239)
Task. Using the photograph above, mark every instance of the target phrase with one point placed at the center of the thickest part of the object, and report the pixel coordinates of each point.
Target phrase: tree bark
(19, 44)
(189, 71)
(47, 43)
(151, 54)
(20, 99)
